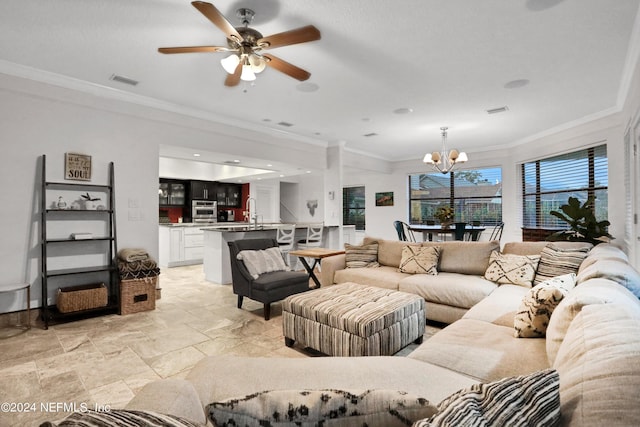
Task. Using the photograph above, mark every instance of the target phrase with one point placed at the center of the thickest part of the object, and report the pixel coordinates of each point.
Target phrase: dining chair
(285, 234)
(496, 234)
(460, 230)
(473, 234)
(404, 232)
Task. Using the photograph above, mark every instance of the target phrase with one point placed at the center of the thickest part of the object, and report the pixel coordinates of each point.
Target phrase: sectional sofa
(592, 345)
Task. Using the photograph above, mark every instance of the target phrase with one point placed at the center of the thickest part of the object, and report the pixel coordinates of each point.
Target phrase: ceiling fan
(247, 44)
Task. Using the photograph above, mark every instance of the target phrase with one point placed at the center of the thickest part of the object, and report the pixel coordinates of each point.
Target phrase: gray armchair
(268, 287)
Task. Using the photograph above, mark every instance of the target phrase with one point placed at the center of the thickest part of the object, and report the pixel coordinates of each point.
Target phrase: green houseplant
(583, 225)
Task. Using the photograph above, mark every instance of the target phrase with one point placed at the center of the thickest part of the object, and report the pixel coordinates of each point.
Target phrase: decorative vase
(446, 224)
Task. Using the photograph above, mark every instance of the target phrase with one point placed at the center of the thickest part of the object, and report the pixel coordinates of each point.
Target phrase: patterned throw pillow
(420, 260)
(325, 408)
(512, 269)
(361, 256)
(263, 261)
(556, 261)
(528, 400)
(121, 418)
(532, 318)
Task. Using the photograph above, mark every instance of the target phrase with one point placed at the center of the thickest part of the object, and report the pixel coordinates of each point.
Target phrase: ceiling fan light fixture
(258, 64)
(247, 74)
(230, 63)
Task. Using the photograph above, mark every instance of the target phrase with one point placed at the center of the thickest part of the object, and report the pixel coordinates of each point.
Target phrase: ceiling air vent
(498, 110)
(285, 124)
(122, 79)
(370, 134)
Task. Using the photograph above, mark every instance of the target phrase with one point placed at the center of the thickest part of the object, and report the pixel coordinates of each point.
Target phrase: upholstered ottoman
(353, 320)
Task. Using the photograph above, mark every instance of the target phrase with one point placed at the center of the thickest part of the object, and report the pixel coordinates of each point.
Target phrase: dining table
(428, 231)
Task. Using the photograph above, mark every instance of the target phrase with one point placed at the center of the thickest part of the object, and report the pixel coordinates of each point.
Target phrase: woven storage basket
(138, 295)
(83, 297)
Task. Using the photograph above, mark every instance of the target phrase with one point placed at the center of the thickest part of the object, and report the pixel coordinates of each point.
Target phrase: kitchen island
(217, 265)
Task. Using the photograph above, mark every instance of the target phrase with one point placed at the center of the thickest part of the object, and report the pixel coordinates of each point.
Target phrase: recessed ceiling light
(239, 180)
(281, 176)
(285, 124)
(515, 84)
(307, 87)
(370, 134)
(308, 171)
(269, 165)
(196, 154)
(259, 179)
(236, 161)
(266, 120)
(403, 110)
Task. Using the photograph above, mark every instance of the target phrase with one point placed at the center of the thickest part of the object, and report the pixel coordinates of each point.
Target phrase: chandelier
(444, 161)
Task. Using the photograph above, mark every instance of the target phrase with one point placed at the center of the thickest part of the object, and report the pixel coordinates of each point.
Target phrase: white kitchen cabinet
(181, 245)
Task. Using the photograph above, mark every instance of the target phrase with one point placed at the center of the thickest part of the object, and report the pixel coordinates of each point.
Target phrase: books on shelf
(81, 236)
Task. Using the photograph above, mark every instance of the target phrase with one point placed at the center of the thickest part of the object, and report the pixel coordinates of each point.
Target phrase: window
(353, 207)
(474, 194)
(548, 183)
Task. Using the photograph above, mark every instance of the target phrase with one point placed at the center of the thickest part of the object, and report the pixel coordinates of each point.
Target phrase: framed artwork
(384, 199)
(77, 167)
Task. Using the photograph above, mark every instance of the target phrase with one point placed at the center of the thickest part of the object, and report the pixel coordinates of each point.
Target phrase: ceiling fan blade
(287, 68)
(234, 79)
(191, 49)
(299, 35)
(218, 19)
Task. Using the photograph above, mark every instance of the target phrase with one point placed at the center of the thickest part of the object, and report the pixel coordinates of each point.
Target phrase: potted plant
(445, 215)
(583, 225)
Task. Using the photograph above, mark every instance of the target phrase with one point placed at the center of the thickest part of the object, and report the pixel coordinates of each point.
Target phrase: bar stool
(314, 237)
(285, 234)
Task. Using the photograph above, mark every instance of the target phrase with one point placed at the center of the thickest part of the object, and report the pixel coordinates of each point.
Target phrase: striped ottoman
(353, 320)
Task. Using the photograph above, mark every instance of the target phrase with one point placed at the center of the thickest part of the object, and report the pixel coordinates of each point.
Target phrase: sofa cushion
(171, 396)
(599, 367)
(121, 418)
(603, 251)
(262, 261)
(483, 351)
(420, 260)
(531, 400)
(513, 269)
(534, 312)
(534, 248)
(594, 291)
(389, 251)
(556, 261)
(458, 290)
(464, 257)
(321, 407)
(500, 306)
(613, 269)
(381, 277)
(361, 256)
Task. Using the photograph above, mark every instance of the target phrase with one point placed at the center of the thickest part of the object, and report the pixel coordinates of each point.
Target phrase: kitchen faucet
(253, 217)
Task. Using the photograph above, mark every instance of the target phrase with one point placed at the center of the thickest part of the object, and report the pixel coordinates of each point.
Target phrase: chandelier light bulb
(257, 63)
(247, 74)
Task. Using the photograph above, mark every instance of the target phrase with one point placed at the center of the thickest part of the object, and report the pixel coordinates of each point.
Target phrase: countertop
(234, 226)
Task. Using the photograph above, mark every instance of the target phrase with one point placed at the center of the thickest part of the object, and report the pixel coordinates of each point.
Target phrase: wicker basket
(83, 297)
(138, 295)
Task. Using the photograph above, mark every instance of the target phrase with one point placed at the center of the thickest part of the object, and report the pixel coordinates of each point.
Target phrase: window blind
(548, 183)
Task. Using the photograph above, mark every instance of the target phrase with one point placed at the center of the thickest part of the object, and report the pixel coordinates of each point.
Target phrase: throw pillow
(120, 418)
(361, 256)
(321, 407)
(532, 318)
(556, 261)
(528, 400)
(512, 269)
(263, 261)
(420, 260)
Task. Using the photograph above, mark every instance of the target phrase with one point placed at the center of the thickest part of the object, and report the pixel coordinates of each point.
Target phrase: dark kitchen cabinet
(172, 192)
(203, 190)
(229, 195)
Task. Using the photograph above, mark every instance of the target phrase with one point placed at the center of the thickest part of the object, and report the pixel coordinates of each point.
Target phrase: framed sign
(77, 167)
(384, 199)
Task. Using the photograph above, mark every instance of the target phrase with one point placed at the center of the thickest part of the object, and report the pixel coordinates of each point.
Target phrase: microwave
(204, 211)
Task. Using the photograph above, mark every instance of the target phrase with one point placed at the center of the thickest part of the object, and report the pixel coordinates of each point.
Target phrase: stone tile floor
(106, 360)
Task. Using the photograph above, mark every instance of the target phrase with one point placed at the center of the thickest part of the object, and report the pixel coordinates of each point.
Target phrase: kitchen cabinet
(203, 190)
(172, 192)
(229, 195)
(180, 245)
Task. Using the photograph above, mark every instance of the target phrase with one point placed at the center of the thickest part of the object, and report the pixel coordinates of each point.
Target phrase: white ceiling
(448, 61)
